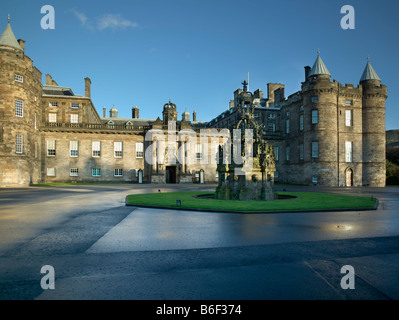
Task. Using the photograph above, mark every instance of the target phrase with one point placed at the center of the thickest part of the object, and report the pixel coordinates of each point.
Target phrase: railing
(94, 126)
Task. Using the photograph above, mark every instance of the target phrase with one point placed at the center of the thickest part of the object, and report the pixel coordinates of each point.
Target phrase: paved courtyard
(101, 249)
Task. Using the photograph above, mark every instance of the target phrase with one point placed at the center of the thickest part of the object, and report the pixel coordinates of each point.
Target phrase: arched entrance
(349, 177)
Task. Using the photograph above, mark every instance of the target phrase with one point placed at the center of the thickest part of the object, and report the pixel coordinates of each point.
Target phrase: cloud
(114, 21)
(80, 15)
(106, 21)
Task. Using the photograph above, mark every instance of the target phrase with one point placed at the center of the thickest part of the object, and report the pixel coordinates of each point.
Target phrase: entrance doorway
(349, 177)
(170, 174)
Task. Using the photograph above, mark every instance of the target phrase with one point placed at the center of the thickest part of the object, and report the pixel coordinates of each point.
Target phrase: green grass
(306, 201)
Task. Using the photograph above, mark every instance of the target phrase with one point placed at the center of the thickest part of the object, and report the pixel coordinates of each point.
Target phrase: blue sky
(197, 53)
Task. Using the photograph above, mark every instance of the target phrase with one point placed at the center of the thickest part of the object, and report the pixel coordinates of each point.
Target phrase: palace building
(327, 133)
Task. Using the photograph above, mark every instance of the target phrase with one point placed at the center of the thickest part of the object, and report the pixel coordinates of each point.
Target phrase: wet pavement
(101, 249)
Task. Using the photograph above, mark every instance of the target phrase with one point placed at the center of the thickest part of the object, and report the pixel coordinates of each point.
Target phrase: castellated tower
(320, 130)
(374, 139)
(20, 113)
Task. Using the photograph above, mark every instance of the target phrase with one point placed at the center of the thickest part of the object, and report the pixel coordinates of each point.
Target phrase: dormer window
(18, 78)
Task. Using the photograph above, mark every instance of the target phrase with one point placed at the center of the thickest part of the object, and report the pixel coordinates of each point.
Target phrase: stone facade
(326, 133)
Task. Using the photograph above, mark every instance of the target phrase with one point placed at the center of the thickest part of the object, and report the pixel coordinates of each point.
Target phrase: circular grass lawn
(295, 201)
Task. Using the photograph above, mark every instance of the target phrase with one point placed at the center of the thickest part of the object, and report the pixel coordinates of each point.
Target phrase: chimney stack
(104, 112)
(49, 80)
(307, 70)
(135, 112)
(87, 87)
(194, 116)
(21, 44)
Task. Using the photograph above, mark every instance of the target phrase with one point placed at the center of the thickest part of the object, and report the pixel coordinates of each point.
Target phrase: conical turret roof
(7, 38)
(319, 68)
(369, 73)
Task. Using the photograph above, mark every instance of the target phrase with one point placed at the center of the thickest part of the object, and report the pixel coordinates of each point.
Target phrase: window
(348, 102)
(315, 99)
(275, 174)
(314, 179)
(256, 115)
(301, 151)
(271, 127)
(74, 172)
(53, 104)
(287, 126)
(301, 108)
(287, 153)
(19, 108)
(348, 151)
(118, 149)
(74, 148)
(301, 122)
(271, 116)
(348, 118)
(19, 143)
(35, 120)
(96, 149)
(276, 152)
(74, 118)
(287, 114)
(74, 105)
(139, 150)
(119, 172)
(315, 149)
(50, 172)
(198, 151)
(18, 78)
(50, 148)
(52, 117)
(96, 172)
(315, 116)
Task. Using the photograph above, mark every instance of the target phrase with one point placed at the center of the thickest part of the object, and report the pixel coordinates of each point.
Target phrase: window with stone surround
(348, 151)
(19, 108)
(74, 118)
(53, 104)
(139, 150)
(50, 172)
(74, 148)
(198, 151)
(19, 143)
(315, 116)
(74, 172)
(301, 151)
(287, 126)
(348, 118)
(96, 172)
(96, 149)
(119, 172)
(301, 122)
(287, 153)
(271, 127)
(275, 148)
(315, 99)
(52, 117)
(118, 152)
(74, 105)
(314, 179)
(51, 148)
(315, 149)
(18, 78)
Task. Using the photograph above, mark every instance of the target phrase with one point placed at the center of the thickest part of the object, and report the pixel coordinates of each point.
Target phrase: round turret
(20, 114)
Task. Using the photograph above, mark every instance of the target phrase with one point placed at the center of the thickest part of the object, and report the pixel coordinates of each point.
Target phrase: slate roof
(7, 38)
